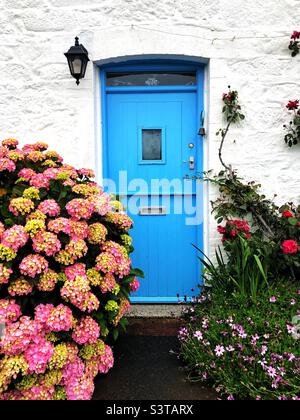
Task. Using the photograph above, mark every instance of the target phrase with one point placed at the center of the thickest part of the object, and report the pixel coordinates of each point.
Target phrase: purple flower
(205, 324)
(198, 335)
(183, 334)
(231, 398)
(271, 372)
(291, 357)
(264, 350)
(219, 350)
(273, 299)
(254, 339)
(291, 329)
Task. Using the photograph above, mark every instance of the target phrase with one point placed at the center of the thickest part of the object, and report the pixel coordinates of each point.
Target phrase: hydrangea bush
(65, 276)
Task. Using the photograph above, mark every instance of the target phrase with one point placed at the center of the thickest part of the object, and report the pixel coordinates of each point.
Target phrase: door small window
(151, 79)
(151, 146)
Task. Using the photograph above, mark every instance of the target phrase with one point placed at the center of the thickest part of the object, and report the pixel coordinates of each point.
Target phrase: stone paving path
(145, 370)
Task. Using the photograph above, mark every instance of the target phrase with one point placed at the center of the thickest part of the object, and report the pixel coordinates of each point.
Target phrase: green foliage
(244, 273)
(231, 108)
(292, 136)
(239, 198)
(294, 45)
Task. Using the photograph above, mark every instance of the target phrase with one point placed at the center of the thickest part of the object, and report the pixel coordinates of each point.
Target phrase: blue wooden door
(152, 148)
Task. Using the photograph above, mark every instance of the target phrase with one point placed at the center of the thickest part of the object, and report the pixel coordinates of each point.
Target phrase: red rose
(290, 247)
(221, 230)
(233, 233)
(293, 105)
(287, 214)
(295, 35)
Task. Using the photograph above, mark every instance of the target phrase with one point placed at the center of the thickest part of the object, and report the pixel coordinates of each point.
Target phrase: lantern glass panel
(77, 65)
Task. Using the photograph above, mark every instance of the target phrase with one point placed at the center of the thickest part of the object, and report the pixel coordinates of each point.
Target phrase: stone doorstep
(156, 311)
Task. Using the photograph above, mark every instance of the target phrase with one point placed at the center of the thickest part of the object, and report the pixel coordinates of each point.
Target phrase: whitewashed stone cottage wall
(244, 43)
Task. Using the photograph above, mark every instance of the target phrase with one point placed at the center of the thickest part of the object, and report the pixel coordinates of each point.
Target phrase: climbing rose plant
(65, 276)
(293, 128)
(294, 46)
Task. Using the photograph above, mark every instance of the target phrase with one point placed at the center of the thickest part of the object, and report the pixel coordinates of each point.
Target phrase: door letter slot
(153, 211)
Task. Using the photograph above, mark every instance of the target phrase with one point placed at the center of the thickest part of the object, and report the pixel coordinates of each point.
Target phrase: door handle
(191, 162)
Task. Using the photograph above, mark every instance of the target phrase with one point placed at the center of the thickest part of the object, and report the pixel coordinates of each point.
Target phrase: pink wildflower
(219, 351)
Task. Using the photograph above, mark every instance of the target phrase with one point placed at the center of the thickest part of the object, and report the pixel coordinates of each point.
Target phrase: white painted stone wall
(245, 41)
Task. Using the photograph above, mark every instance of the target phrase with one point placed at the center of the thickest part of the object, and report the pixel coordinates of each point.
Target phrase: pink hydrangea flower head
(32, 265)
(106, 263)
(106, 361)
(38, 354)
(87, 331)
(26, 174)
(97, 233)
(20, 287)
(7, 165)
(21, 206)
(135, 285)
(101, 203)
(75, 270)
(40, 181)
(78, 230)
(60, 225)
(46, 242)
(15, 238)
(18, 336)
(50, 208)
(108, 283)
(42, 314)
(47, 281)
(60, 319)
(5, 274)
(121, 220)
(80, 209)
(10, 143)
(88, 173)
(9, 311)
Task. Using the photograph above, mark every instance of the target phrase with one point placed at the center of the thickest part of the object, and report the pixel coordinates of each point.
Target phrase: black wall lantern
(78, 57)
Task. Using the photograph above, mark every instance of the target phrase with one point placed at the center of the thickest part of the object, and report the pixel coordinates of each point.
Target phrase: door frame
(200, 89)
